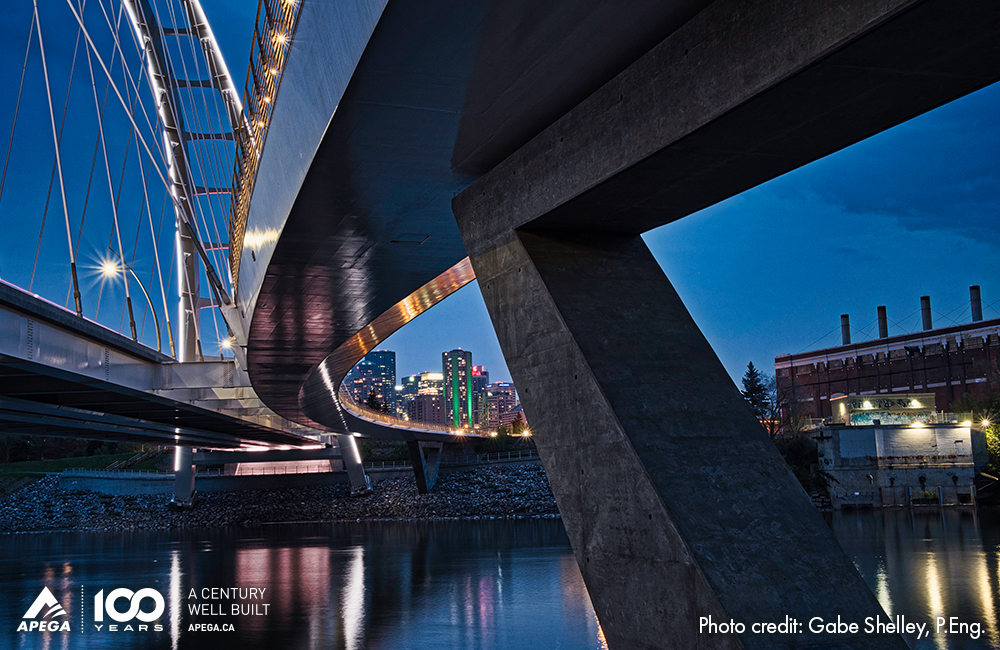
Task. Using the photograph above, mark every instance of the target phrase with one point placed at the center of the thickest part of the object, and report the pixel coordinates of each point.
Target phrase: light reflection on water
(928, 563)
(472, 584)
(448, 585)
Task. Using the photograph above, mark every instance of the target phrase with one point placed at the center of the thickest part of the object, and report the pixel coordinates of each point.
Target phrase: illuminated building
(376, 373)
(457, 370)
(480, 381)
(425, 383)
(497, 407)
(946, 362)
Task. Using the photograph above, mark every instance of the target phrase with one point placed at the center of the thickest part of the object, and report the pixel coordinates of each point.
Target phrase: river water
(419, 584)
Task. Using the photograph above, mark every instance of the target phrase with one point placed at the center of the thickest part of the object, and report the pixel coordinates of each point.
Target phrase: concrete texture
(426, 460)
(676, 502)
(740, 94)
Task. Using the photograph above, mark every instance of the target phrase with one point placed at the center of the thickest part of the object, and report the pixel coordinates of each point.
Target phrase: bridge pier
(676, 502)
(185, 497)
(426, 460)
(361, 483)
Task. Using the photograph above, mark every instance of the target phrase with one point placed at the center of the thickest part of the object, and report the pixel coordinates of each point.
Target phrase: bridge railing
(272, 34)
(365, 413)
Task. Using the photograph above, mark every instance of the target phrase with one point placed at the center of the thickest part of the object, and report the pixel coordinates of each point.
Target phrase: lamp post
(110, 269)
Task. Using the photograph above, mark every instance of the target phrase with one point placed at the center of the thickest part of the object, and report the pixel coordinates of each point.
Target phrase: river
(424, 584)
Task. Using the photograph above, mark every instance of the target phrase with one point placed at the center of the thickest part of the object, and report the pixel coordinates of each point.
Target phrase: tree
(373, 401)
(755, 392)
(518, 425)
(985, 410)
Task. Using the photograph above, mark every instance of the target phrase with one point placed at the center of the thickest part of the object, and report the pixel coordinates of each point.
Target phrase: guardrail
(273, 471)
(113, 473)
(452, 461)
(477, 459)
(363, 412)
(272, 34)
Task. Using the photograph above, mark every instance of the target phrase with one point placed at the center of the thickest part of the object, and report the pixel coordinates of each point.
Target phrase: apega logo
(53, 609)
(108, 606)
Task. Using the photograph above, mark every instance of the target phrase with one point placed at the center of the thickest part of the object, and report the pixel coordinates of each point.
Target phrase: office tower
(457, 370)
(480, 380)
(426, 408)
(375, 374)
(500, 401)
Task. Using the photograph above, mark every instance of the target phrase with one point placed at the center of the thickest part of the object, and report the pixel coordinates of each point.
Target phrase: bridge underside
(64, 376)
(674, 511)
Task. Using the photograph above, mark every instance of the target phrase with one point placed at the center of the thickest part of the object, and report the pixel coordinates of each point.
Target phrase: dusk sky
(907, 213)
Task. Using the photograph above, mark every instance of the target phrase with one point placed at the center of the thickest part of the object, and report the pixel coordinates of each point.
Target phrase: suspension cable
(62, 185)
(17, 106)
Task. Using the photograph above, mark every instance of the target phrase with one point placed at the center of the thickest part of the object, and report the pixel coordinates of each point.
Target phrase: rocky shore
(503, 491)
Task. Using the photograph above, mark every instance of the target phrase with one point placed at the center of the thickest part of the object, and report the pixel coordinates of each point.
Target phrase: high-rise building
(457, 370)
(425, 383)
(498, 405)
(427, 408)
(480, 380)
(374, 375)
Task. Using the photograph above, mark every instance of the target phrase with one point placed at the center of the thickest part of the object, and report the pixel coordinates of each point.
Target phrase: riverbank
(507, 491)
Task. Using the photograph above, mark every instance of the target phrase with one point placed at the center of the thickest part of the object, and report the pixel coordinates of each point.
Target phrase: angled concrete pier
(426, 460)
(676, 502)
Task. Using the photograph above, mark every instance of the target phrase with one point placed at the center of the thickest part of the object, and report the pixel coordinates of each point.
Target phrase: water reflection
(349, 586)
(926, 564)
(440, 584)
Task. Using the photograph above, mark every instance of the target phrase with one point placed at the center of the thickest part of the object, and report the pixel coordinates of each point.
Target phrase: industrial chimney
(845, 328)
(977, 303)
(883, 323)
(925, 312)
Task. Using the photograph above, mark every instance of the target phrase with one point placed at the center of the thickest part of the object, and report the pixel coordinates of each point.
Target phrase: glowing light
(493, 434)
(281, 38)
(986, 423)
(526, 432)
(267, 99)
(967, 423)
(866, 404)
(109, 269)
(226, 344)
(918, 425)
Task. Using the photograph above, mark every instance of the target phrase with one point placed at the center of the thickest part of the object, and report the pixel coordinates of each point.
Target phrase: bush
(801, 456)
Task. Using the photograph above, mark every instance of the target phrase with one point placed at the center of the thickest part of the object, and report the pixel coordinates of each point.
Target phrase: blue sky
(910, 212)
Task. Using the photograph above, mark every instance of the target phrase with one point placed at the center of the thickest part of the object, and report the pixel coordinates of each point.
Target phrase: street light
(109, 269)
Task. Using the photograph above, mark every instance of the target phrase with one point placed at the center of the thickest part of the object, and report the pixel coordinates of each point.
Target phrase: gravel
(503, 492)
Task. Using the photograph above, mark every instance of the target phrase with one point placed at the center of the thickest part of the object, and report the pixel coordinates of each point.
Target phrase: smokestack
(925, 312)
(977, 303)
(883, 323)
(845, 328)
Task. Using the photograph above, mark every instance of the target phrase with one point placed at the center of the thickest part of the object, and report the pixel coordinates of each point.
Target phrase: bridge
(386, 154)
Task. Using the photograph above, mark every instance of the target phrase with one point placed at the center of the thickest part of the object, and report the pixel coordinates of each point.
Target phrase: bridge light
(226, 344)
(526, 432)
(281, 38)
(109, 269)
(986, 423)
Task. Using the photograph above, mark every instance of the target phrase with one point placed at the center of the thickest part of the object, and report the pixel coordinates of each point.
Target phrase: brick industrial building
(947, 361)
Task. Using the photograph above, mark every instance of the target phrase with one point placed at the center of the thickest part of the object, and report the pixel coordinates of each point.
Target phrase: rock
(501, 491)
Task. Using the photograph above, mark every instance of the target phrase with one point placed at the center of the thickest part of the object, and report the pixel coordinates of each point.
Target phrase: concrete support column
(360, 482)
(677, 504)
(185, 496)
(426, 459)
